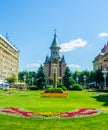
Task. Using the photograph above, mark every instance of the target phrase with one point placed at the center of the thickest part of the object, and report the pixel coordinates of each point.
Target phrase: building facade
(101, 60)
(9, 59)
(55, 62)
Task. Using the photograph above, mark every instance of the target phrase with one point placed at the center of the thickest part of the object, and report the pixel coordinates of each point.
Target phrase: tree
(67, 78)
(29, 75)
(91, 77)
(75, 75)
(41, 78)
(98, 77)
(21, 75)
(11, 79)
(84, 73)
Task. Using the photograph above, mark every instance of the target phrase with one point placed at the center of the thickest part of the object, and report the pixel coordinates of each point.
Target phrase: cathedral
(54, 62)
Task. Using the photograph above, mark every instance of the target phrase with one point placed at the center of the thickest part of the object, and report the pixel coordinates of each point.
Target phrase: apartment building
(9, 59)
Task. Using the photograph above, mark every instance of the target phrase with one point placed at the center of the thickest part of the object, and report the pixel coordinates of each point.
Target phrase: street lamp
(104, 75)
(24, 78)
(85, 77)
(32, 80)
(77, 79)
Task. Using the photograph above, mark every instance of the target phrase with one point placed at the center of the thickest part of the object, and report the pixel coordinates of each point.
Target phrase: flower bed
(79, 113)
(64, 94)
(16, 111)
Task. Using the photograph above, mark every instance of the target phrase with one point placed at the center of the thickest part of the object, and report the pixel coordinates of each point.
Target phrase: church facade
(54, 62)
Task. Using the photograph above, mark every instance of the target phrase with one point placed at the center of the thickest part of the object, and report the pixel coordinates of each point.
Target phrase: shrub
(48, 87)
(33, 87)
(77, 87)
(62, 86)
(87, 87)
(58, 90)
(54, 90)
(49, 90)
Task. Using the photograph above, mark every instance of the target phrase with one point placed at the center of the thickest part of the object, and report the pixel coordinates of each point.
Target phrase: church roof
(55, 43)
(105, 49)
(47, 60)
(63, 60)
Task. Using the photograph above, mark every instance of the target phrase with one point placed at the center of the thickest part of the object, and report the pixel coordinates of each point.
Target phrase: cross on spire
(55, 33)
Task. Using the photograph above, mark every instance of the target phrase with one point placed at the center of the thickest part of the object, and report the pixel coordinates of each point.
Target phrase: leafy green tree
(21, 75)
(75, 75)
(67, 78)
(82, 74)
(11, 79)
(29, 75)
(31, 78)
(99, 77)
(91, 77)
(41, 78)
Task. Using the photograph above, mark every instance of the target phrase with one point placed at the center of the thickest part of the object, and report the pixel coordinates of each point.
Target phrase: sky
(81, 27)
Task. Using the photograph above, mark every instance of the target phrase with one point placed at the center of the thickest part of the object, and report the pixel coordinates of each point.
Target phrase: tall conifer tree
(41, 78)
(67, 78)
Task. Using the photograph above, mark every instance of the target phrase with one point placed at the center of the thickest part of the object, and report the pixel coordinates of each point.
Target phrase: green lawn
(32, 101)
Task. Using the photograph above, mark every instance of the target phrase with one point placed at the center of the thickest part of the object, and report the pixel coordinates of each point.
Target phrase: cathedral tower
(55, 62)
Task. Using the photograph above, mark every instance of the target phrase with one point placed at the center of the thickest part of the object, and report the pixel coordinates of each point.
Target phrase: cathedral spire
(55, 43)
(63, 60)
(47, 60)
(55, 33)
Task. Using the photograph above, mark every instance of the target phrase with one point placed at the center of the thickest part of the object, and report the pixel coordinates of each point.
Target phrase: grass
(32, 101)
(96, 122)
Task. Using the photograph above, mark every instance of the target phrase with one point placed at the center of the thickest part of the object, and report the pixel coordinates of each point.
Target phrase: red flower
(83, 111)
(17, 111)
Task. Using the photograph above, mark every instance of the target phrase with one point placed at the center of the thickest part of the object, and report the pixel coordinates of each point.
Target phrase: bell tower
(55, 50)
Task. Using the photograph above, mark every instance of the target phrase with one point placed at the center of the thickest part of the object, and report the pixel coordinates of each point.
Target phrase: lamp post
(32, 80)
(85, 77)
(24, 78)
(54, 75)
(104, 75)
(77, 79)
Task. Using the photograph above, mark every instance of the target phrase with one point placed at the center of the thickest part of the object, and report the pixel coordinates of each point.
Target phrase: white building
(9, 59)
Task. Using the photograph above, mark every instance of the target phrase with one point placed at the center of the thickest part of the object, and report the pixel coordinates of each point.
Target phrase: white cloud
(33, 65)
(103, 34)
(71, 45)
(74, 66)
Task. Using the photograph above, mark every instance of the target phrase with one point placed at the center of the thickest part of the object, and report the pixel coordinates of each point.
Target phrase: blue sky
(82, 29)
